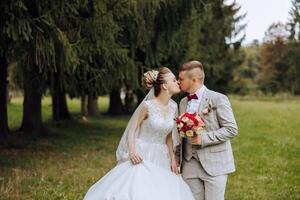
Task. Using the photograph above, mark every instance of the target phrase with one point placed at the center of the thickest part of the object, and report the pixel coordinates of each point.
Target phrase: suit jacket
(215, 152)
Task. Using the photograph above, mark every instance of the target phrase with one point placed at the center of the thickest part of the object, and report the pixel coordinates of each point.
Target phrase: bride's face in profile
(171, 84)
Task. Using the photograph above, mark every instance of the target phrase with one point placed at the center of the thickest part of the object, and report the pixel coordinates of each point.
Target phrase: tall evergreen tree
(294, 48)
(14, 30)
(41, 51)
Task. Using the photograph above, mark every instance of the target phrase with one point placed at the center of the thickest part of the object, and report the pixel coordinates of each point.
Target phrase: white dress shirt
(193, 105)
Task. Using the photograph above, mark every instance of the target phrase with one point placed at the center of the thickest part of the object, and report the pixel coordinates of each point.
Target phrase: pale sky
(261, 14)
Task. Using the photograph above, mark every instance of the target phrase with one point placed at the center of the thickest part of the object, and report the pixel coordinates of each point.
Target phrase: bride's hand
(135, 159)
(174, 166)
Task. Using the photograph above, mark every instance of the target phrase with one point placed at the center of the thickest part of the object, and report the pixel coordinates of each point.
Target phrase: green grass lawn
(65, 163)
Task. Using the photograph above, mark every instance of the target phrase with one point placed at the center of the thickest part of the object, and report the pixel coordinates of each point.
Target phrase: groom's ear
(194, 79)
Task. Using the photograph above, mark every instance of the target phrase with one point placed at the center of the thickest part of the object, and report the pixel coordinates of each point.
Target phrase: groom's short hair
(193, 65)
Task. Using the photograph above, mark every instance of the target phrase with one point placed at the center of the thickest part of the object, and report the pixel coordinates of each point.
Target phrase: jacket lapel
(204, 100)
(184, 105)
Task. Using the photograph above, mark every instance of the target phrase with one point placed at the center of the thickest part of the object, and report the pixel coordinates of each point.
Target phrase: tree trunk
(8, 97)
(84, 103)
(115, 103)
(129, 101)
(4, 130)
(92, 106)
(32, 105)
(59, 101)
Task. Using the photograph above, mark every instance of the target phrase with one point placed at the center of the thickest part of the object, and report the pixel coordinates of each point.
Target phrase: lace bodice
(159, 123)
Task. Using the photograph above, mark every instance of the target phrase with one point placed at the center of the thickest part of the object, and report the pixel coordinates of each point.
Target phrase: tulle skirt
(150, 180)
(145, 181)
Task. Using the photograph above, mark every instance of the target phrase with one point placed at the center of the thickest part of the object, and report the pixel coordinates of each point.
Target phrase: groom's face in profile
(184, 81)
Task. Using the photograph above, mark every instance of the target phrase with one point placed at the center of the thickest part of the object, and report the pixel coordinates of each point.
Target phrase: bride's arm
(169, 142)
(132, 137)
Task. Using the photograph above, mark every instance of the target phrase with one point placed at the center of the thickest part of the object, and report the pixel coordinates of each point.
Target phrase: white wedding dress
(152, 179)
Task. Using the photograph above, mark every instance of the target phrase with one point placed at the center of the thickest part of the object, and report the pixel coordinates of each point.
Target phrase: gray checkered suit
(205, 167)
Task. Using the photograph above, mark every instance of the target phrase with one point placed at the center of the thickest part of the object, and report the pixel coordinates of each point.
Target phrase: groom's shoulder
(217, 95)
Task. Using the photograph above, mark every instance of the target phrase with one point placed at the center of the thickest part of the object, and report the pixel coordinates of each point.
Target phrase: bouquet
(190, 124)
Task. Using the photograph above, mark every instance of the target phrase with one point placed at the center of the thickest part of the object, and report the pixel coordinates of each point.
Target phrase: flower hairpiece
(155, 74)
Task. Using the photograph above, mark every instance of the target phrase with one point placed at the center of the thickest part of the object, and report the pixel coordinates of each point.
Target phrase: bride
(147, 168)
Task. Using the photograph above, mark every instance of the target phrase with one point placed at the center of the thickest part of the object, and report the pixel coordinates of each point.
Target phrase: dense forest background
(90, 48)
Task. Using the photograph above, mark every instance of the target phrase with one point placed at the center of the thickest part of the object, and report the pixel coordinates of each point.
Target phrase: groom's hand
(196, 140)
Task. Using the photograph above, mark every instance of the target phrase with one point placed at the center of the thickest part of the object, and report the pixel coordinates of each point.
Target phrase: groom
(205, 160)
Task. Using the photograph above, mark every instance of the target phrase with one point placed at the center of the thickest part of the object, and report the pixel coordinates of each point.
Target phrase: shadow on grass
(65, 137)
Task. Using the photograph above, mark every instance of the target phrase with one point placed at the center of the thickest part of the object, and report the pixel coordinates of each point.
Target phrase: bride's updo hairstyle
(155, 79)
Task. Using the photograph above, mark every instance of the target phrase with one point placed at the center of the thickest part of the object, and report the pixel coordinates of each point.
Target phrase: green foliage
(293, 72)
(98, 45)
(280, 67)
(294, 23)
(245, 77)
(103, 61)
(294, 49)
(213, 36)
(14, 25)
(274, 53)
